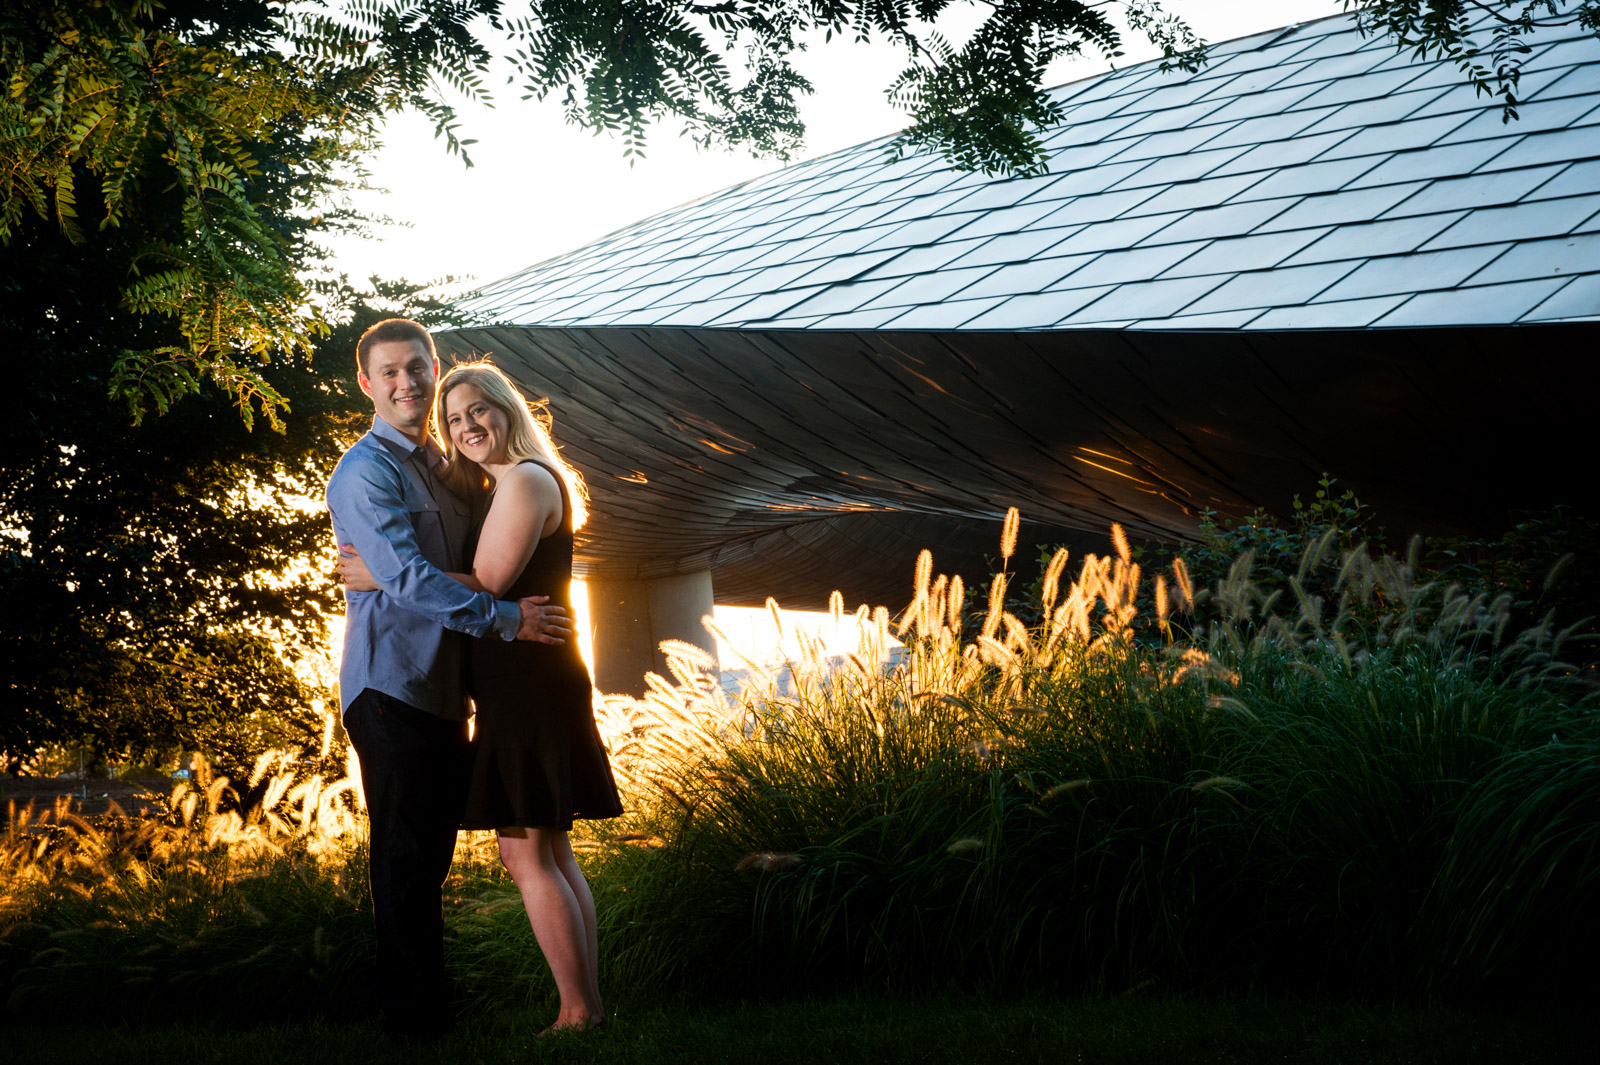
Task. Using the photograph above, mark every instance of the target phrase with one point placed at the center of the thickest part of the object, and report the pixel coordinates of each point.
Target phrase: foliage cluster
(176, 902)
(1548, 563)
(166, 584)
(196, 148)
(167, 168)
(1297, 799)
(1491, 53)
(1390, 793)
(1546, 567)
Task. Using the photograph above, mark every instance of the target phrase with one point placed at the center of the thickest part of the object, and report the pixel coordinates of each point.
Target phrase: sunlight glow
(753, 633)
(581, 623)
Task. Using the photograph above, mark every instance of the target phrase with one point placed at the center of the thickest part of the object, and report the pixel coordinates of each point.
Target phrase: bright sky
(540, 187)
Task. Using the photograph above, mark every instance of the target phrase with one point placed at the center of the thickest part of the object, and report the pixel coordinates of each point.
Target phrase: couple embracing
(456, 551)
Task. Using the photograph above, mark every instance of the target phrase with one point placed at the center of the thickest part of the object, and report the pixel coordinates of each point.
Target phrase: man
(401, 680)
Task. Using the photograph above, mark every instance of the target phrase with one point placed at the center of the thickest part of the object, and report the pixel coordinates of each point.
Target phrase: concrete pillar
(632, 617)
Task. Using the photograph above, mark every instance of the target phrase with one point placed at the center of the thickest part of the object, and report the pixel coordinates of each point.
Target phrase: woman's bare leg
(557, 918)
(573, 874)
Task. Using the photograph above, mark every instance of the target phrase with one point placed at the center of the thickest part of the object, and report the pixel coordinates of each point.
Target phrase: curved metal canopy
(1317, 254)
(791, 464)
(1308, 178)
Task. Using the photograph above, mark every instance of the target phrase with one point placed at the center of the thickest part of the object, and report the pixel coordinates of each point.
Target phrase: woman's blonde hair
(528, 438)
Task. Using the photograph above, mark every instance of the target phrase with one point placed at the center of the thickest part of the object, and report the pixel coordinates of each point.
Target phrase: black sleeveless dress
(538, 760)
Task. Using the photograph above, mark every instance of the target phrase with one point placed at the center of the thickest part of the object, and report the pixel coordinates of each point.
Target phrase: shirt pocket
(428, 525)
(415, 499)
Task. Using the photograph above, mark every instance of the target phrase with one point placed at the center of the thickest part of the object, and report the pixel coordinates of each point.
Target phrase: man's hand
(350, 567)
(541, 623)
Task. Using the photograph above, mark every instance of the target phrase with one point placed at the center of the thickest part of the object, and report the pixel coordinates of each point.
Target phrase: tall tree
(165, 585)
(165, 171)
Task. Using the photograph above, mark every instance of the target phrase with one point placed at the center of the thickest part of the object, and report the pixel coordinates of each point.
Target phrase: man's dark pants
(414, 773)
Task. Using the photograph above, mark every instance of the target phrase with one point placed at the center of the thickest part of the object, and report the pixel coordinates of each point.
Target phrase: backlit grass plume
(1155, 779)
(1378, 786)
(198, 895)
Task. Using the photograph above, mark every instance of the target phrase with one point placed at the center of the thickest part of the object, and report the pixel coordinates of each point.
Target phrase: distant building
(1317, 254)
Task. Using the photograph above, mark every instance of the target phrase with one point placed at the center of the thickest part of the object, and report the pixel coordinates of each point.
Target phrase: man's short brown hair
(392, 329)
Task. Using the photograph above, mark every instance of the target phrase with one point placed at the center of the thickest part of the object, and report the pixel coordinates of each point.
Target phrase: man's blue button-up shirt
(395, 639)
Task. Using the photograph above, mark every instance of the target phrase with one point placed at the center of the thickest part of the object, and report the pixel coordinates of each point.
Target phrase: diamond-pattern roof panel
(1306, 178)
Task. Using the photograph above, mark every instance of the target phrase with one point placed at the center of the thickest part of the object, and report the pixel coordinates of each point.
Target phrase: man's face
(400, 377)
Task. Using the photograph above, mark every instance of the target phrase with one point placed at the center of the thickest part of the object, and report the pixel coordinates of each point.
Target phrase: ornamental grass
(1382, 789)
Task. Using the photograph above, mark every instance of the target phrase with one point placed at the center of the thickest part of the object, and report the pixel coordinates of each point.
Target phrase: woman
(539, 760)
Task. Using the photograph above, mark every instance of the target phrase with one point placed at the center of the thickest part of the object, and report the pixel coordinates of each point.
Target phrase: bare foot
(578, 1024)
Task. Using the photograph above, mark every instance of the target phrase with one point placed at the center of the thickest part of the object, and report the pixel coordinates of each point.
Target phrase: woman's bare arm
(358, 578)
(526, 508)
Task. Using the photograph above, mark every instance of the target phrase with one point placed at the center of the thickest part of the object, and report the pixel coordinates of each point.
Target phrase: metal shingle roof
(1306, 178)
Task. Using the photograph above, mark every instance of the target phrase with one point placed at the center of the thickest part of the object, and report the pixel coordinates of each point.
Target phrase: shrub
(1378, 785)
(1295, 789)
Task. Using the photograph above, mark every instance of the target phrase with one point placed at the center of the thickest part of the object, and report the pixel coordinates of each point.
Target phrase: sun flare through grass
(1381, 788)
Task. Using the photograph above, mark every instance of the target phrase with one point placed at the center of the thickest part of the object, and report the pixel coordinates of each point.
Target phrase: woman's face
(479, 429)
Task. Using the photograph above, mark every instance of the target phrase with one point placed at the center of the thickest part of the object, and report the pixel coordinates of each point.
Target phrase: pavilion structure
(1316, 254)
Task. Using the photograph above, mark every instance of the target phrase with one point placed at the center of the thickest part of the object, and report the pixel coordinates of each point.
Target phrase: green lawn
(1168, 1031)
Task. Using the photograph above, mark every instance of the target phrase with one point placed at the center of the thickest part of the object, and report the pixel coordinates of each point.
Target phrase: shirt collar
(402, 444)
